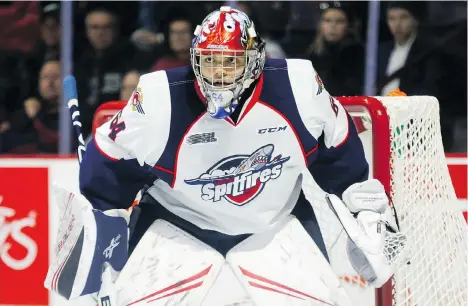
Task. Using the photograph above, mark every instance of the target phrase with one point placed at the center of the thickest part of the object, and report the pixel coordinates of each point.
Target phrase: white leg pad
(285, 267)
(168, 267)
(227, 290)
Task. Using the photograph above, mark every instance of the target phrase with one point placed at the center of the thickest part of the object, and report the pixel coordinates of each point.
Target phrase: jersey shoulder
(170, 77)
(320, 111)
(296, 81)
(151, 94)
(173, 75)
(295, 65)
(153, 89)
(173, 87)
(142, 128)
(299, 74)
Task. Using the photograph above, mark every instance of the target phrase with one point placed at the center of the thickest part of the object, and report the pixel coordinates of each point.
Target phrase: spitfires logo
(240, 178)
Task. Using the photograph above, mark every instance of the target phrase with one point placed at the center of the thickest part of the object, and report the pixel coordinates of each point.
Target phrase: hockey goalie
(217, 151)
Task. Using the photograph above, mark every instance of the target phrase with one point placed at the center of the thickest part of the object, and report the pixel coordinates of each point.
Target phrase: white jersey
(231, 177)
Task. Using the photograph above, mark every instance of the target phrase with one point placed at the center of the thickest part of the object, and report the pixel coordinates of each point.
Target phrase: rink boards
(30, 222)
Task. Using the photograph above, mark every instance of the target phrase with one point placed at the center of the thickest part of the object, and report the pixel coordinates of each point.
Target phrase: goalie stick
(71, 96)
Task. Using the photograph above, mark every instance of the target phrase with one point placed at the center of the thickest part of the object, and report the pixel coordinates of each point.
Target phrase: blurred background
(358, 48)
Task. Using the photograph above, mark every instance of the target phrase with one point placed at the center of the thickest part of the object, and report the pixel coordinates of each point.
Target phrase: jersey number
(116, 127)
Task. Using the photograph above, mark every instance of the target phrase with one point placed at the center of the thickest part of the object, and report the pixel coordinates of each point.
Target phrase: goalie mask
(227, 56)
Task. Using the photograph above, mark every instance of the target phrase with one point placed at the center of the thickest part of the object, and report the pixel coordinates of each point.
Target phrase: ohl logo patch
(240, 178)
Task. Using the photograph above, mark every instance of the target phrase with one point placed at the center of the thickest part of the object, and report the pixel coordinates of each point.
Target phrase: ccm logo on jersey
(240, 178)
(273, 129)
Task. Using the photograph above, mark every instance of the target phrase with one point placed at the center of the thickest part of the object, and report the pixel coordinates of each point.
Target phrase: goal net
(402, 141)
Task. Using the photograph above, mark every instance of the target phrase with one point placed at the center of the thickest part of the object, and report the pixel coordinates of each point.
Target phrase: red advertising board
(24, 236)
(25, 214)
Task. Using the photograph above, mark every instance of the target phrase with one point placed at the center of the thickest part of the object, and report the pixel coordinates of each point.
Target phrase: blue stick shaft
(71, 96)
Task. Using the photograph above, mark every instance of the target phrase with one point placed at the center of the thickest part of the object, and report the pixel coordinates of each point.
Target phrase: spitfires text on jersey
(240, 178)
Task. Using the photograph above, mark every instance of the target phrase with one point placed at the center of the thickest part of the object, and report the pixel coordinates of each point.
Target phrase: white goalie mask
(227, 56)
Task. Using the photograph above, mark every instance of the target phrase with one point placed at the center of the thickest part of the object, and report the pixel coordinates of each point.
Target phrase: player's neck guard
(214, 105)
(222, 103)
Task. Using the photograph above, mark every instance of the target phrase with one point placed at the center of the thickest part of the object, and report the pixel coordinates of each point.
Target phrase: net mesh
(393, 246)
(425, 201)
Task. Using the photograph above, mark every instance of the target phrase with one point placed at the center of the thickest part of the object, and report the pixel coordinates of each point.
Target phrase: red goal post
(381, 156)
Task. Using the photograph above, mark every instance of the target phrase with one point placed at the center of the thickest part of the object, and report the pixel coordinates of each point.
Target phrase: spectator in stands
(447, 25)
(101, 68)
(34, 129)
(179, 32)
(147, 36)
(129, 84)
(19, 31)
(14, 86)
(273, 16)
(272, 48)
(19, 25)
(336, 52)
(407, 62)
(48, 46)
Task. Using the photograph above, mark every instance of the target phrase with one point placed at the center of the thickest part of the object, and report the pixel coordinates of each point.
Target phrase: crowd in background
(422, 51)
